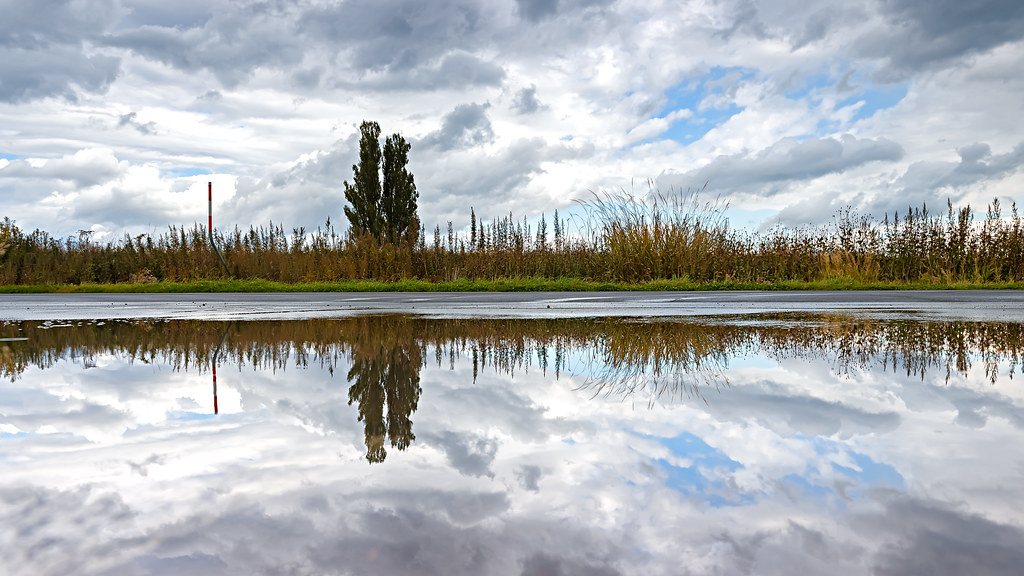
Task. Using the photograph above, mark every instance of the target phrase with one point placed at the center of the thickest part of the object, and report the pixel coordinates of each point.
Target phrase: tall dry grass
(623, 237)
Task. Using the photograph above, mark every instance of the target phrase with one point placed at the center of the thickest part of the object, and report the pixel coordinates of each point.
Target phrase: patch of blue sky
(870, 473)
(6, 156)
(874, 99)
(865, 473)
(747, 219)
(691, 94)
(690, 446)
(703, 477)
(186, 172)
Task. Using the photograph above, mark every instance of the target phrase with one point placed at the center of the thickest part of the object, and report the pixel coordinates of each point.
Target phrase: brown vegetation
(624, 239)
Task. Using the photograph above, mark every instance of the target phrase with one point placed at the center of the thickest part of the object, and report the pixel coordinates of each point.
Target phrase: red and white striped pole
(215, 409)
(210, 228)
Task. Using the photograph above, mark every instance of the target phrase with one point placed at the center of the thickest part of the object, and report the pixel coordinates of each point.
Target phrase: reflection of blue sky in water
(788, 469)
(707, 475)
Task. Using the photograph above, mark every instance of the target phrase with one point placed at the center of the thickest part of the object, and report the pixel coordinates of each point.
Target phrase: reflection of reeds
(625, 238)
(660, 357)
(663, 360)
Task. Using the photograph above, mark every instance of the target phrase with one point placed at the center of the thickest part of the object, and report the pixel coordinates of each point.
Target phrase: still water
(765, 444)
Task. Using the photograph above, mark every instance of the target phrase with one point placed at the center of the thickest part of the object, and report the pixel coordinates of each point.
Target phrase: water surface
(769, 443)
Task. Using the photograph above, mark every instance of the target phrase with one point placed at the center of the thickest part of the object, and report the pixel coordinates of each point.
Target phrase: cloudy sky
(114, 114)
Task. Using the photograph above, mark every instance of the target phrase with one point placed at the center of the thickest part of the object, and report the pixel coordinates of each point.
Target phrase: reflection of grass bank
(503, 285)
(621, 356)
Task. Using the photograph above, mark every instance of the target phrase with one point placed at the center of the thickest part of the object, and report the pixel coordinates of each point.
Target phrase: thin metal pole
(216, 409)
(216, 354)
(210, 228)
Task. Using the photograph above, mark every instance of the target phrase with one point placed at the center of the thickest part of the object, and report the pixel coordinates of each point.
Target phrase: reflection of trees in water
(658, 358)
(386, 362)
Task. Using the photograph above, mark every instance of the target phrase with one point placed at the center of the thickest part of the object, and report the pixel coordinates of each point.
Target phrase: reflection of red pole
(215, 410)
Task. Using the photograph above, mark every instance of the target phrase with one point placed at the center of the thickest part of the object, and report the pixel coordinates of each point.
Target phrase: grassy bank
(658, 242)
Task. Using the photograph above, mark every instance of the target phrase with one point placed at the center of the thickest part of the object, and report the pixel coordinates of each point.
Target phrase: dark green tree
(382, 198)
(363, 194)
(398, 191)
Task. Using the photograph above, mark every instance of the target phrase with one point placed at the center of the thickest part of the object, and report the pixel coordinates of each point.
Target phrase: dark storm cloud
(543, 564)
(536, 10)
(745, 19)
(913, 537)
(396, 34)
(384, 45)
(786, 161)
(394, 45)
(42, 527)
(231, 44)
(464, 127)
(60, 71)
(411, 44)
(178, 14)
(815, 28)
(931, 538)
(791, 549)
(43, 49)
(323, 527)
(926, 34)
(42, 23)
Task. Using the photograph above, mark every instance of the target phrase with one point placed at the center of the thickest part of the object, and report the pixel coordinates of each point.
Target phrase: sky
(115, 114)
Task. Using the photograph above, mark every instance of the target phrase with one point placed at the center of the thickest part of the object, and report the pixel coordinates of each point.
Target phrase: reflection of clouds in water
(934, 538)
(470, 454)
(787, 470)
(319, 529)
(422, 532)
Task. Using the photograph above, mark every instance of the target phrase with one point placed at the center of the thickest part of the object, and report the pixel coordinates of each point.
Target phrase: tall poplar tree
(382, 198)
(398, 191)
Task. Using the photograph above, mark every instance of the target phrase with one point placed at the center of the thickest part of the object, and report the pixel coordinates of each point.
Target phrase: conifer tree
(382, 197)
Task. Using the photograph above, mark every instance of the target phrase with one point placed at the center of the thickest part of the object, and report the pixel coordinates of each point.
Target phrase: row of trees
(382, 196)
